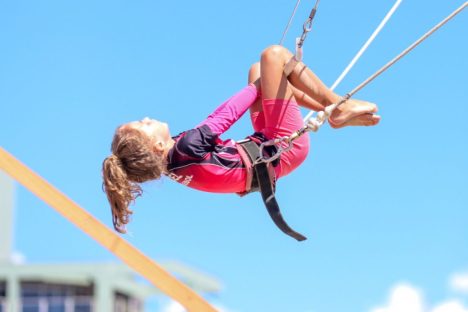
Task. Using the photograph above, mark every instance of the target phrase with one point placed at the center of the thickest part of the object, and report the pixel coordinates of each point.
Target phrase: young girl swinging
(144, 150)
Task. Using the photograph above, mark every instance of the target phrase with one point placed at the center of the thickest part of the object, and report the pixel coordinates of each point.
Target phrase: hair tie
(114, 158)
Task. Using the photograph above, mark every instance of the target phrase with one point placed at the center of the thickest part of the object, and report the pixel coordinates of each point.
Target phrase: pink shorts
(281, 118)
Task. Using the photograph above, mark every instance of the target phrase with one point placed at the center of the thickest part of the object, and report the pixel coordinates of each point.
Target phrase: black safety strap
(268, 191)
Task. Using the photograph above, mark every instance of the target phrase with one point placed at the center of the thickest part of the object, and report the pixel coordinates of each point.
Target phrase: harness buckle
(279, 149)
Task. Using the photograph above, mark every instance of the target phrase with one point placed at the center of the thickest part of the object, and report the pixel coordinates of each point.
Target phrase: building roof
(120, 276)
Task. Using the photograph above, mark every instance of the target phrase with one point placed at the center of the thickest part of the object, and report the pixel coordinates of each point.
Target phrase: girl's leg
(302, 98)
(256, 110)
(311, 92)
(254, 78)
(280, 110)
(276, 118)
(307, 82)
(276, 114)
(257, 116)
(274, 84)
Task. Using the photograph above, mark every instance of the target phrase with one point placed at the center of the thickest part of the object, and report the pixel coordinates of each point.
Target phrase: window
(40, 296)
(124, 303)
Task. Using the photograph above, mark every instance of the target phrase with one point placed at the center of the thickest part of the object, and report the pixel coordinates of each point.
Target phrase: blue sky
(382, 207)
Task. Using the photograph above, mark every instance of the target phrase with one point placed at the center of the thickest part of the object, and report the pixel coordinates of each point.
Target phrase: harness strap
(267, 189)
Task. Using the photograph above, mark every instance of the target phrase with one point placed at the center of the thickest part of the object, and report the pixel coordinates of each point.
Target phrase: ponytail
(133, 161)
(120, 191)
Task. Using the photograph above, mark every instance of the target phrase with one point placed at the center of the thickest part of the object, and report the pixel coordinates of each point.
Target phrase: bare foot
(361, 120)
(346, 114)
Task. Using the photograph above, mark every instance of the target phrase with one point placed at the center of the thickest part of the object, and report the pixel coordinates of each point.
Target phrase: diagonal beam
(102, 234)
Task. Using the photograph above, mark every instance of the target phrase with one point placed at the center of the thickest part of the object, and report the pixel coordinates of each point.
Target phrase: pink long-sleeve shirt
(200, 159)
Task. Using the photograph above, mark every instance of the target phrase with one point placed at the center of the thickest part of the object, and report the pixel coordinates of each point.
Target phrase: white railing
(68, 304)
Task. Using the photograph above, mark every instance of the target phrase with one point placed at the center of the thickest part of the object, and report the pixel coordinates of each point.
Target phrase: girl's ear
(159, 147)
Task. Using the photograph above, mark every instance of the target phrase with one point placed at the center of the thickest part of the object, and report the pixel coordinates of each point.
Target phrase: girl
(144, 150)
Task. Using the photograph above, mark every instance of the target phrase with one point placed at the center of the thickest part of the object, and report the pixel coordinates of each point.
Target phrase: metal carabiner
(307, 26)
(279, 151)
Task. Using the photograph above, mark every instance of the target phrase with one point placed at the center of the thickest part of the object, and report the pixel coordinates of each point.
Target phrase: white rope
(407, 50)
(364, 47)
(361, 51)
(313, 124)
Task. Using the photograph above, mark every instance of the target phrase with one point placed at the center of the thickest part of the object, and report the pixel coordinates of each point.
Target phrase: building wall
(7, 190)
(2, 296)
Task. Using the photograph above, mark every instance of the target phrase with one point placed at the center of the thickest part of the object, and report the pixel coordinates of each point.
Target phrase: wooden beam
(103, 234)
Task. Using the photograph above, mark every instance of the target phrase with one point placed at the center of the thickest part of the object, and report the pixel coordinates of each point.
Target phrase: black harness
(261, 178)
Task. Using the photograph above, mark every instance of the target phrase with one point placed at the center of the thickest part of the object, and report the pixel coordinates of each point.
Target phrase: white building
(90, 287)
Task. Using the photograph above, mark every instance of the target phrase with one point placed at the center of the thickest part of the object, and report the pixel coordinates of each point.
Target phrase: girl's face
(155, 130)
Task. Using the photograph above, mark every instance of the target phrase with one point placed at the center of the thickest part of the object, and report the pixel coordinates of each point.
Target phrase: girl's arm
(231, 110)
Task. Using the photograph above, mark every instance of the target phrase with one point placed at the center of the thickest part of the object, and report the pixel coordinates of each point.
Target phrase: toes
(334, 124)
(365, 120)
(375, 120)
(350, 114)
(361, 120)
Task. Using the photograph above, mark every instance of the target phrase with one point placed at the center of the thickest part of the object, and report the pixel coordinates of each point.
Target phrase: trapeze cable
(135, 259)
(314, 124)
(289, 22)
(361, 51)
(307, 27)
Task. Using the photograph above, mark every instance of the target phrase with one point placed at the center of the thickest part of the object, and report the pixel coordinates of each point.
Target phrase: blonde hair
(133, 161)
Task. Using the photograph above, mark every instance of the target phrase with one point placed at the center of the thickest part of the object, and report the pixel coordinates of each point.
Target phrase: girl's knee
(275, 52)
(254, 72)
